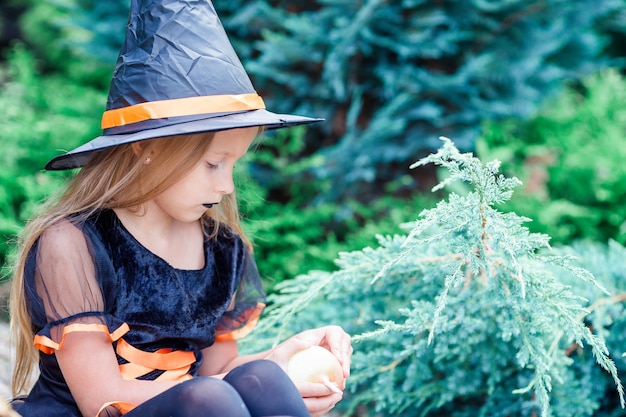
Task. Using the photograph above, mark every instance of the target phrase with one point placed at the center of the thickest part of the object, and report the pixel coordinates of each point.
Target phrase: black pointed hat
(177, 73)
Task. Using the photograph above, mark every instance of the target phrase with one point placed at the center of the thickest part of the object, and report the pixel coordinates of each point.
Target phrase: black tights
(256, 389)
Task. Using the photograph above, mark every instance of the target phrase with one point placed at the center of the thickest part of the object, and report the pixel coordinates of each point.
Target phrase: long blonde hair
(113, 178)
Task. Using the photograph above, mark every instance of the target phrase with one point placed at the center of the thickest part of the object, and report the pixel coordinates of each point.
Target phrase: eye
(211, 165)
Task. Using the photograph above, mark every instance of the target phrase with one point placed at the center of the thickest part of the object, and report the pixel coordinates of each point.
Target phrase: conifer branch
(473, 276)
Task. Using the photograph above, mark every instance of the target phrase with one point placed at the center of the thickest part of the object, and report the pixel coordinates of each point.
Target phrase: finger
(335, 339)
(322, 335)
(340, 345)
(296, 344)
(318, 406)
(346, 363)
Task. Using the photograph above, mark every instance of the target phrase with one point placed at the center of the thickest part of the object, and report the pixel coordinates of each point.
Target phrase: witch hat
(176, 73)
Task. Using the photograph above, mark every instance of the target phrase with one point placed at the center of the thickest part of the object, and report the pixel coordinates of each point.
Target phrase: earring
(147, 160)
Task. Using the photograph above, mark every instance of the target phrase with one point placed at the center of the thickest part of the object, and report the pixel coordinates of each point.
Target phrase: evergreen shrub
(469, 314)
(40, 115)
(570, 156)
(390, 77)
(293, 236)
(80, 39)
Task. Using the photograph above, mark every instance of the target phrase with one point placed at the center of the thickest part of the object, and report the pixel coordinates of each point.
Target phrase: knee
(261, 368)
(204, 393)
(258, 373)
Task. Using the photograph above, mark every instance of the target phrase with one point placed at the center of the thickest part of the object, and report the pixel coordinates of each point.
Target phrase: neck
(178, 243)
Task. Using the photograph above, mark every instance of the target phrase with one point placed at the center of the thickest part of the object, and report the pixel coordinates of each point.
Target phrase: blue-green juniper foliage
(469, 314)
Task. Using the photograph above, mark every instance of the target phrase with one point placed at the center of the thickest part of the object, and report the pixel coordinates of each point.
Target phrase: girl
(123, 257)
(135, 284)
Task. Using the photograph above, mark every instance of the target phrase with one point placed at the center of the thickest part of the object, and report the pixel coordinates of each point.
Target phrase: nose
(225, 183)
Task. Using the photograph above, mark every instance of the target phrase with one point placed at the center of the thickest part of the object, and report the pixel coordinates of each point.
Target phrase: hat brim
(79, 156)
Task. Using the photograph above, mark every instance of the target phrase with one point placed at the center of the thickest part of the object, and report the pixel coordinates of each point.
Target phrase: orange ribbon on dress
(250, 317)
(48, 346)
(175, 363)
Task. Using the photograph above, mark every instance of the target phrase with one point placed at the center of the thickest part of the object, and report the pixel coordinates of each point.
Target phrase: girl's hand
(333, 338)
(318, 398)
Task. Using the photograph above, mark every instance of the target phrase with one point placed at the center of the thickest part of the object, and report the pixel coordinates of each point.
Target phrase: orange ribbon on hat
(181, 107)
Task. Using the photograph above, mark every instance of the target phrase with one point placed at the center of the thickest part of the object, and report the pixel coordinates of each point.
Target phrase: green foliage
(571, 158)
(390, 77)
(607, 316)
(40, 116)
(469, 314)
(80, 39)
(299, 236)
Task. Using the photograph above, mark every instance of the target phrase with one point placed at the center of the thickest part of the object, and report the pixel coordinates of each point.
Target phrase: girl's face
(209, 179)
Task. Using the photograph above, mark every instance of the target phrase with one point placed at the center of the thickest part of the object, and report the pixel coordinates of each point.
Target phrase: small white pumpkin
(316, 364)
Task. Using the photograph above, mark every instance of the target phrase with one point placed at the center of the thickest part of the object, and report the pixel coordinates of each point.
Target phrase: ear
(137, 148)
(141, 150)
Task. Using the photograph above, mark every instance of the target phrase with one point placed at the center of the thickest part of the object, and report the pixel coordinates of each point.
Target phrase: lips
(209, 205)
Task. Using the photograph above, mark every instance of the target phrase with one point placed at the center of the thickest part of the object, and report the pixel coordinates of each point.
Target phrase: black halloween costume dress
(93, 275)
